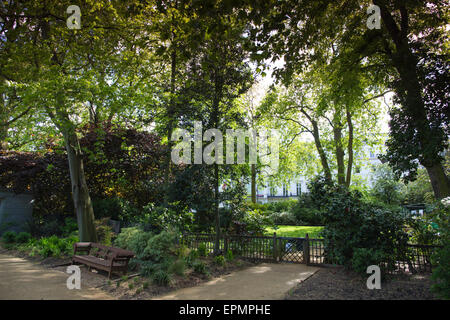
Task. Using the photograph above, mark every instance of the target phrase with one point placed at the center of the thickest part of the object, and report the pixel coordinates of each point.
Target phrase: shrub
(9, 237)
(159, 247)
(202, 250)
(284, 217)
(219, 260)
(104, 231)
(54, 246)
(124, 238)
(192, 257)
(161, 278)
(200, 267)
(229, 255)
(23, 237)
(178, 267)
(69, 228)
(441, 258)
(351, 223)
(363, 257)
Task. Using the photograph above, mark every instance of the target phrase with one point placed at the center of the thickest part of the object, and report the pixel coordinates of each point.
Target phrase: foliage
(119, 162)
(9, 236)
(352, 224)
(161, 278)
(23, 237)
(153, 253)
(219, 260)
(423, 230)
(364, 257)
(229, 255)
(178, 267)
(295, 231)
(159, 218)
(441, 258)
(386, 187)
(192, 257)
(200, 267)
(54, 246)
(202, 250)
(419, 190)
(104, 231)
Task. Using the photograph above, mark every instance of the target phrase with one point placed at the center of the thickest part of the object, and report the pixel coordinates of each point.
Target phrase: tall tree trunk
(320, 150)
(253, 182)
(80, 193)
(439, 181)
(339, 150)
(349, 149)
(170, 125)
(216, 209)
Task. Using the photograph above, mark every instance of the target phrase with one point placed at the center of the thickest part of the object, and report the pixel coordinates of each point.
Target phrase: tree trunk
(253, 183)
(80, 193)
(216, 209)
(319, 147)
(349, 149)
(439, 181)
(170, 125)
(337, 132)
(405, 62)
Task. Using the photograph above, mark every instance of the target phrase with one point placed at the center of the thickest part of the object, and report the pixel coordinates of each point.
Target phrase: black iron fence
(310, 251)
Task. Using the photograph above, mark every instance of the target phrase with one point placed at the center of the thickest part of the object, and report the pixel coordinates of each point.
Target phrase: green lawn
(294, 231)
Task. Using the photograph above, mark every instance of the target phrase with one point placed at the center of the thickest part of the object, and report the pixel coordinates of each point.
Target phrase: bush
(192, 257)
(54, 246)
(219, 260)
(9, 237)
(351, 223)
(202, 250)
(178, 267)
(200, 267)
(229, 255)
(160, 247)
(286, 218)
(441, 258)
(124, 238)
(363, 257)
(23, 237)
(104, 231)
(161, 278)
(69, 228)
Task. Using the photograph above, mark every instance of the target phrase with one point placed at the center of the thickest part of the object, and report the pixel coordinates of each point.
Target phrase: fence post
(306, 250)
(275, 247)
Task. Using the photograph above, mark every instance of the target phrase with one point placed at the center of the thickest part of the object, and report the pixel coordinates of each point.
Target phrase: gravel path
(23, 280)
(264, 281)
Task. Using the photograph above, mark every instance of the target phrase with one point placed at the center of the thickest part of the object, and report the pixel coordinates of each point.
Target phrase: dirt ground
(341, 284)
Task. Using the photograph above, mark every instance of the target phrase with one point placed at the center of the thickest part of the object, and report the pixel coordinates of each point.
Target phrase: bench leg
(109, 274)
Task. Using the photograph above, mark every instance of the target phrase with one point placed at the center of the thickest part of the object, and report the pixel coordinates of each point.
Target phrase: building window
(299, 188)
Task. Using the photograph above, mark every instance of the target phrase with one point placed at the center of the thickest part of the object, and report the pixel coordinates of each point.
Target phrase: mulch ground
(340, 284)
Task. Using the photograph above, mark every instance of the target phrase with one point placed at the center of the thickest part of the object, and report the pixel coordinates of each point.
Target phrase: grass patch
(294, 231)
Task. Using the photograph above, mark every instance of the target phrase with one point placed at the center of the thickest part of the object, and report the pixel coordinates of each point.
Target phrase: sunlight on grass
(294, 231)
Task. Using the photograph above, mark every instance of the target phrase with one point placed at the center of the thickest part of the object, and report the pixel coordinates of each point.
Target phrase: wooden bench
(101, 257)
